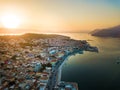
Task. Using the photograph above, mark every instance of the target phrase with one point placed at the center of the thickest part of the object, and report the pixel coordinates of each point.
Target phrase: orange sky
(61, 15)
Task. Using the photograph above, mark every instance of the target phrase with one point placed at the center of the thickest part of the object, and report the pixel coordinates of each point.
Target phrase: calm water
(94, 71)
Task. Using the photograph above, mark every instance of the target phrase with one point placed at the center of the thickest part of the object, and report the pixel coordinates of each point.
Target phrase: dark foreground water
(94, 71)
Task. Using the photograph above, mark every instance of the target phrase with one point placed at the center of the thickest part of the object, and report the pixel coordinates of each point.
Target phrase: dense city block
(31, 61)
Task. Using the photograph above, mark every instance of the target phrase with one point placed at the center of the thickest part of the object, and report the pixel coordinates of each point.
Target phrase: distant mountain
(108, 32)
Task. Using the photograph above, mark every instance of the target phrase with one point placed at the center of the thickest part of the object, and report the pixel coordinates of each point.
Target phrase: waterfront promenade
(55, 77)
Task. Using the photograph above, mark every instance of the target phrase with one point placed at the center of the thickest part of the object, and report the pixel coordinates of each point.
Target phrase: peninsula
(33, 61)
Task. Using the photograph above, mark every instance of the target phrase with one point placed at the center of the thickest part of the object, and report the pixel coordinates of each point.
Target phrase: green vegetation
(14, 57)
(45, 65)
(25, 44)
(30, 36)
(34, 35)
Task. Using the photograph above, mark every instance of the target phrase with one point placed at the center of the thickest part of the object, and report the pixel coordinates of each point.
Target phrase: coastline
(74, 84)
(63, 60)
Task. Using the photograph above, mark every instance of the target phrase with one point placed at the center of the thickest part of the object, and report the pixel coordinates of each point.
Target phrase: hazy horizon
(58, 15)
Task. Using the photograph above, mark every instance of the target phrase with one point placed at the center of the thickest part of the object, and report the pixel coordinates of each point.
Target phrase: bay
(94, 71)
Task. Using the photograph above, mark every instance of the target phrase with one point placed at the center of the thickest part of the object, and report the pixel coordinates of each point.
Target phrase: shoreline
(75, 84)
(65, 57)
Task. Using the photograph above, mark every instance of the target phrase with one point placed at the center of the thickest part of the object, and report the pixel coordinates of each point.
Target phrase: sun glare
(10, 20)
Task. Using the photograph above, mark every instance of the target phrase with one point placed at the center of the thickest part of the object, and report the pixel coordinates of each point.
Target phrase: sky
(61, 15)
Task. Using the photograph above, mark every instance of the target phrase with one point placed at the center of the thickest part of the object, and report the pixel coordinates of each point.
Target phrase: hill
(32, 36)
(108, 32)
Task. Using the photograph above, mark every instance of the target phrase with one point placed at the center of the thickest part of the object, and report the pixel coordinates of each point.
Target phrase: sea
(91, 70)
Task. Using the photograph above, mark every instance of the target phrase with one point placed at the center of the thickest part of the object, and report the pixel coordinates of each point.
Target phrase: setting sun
(10, 20)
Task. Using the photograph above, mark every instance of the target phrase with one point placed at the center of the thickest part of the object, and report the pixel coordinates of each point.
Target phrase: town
(32, 63)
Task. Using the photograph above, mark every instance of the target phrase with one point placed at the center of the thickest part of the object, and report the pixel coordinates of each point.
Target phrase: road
(53, 77)
(52, 82)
